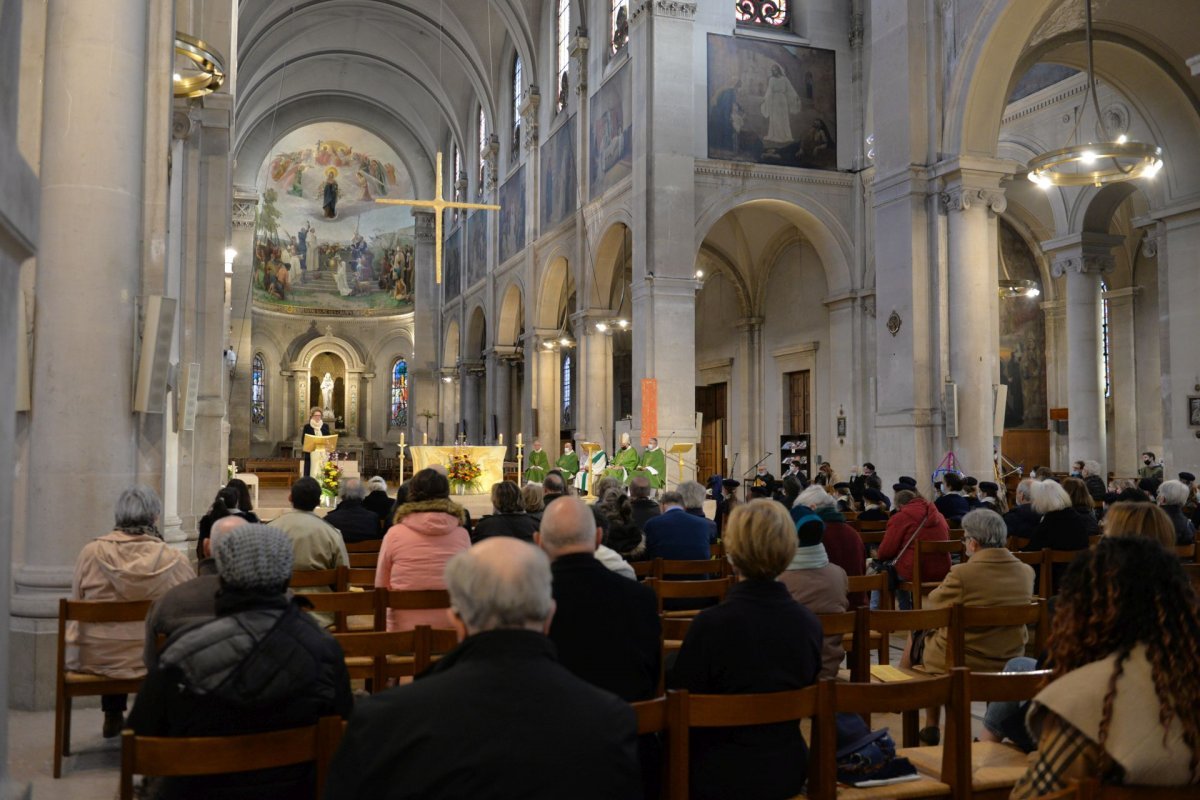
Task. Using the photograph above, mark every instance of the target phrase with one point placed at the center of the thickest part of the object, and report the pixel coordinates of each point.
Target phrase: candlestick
(401, 441)
(501, 439)
(520, 439)
(425, 437)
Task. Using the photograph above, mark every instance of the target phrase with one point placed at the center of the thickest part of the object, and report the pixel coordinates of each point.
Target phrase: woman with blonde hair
(758, 640)
(1139, 519)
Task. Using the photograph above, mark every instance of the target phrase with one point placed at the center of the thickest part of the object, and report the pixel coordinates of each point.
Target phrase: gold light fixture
(1010, 289)
(207, 72)
(1095, 164)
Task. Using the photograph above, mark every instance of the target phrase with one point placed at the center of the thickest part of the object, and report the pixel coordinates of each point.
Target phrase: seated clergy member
(605, 626)
(624, 462)
(644, 509)
(499, 716)
(354, 521)
(539, 463)
(130, 563)
(192, 601)
(261, 665)
(676, 534)
(652, 465)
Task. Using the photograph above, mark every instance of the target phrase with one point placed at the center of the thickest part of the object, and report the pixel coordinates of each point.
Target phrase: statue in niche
(329, 194)
(327, 391)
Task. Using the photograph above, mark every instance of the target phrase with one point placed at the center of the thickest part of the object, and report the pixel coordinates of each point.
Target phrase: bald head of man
(502, 583)
(221, 528)
(568, 527)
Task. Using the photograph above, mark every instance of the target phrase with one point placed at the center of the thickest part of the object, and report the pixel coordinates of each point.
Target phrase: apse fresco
(611, 157)
(323, 246)
(1022, 338)
(771, 103)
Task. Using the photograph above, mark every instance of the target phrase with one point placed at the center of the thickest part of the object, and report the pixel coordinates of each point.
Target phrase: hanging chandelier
(1099, 163)
(205, 73)
(1012, 289)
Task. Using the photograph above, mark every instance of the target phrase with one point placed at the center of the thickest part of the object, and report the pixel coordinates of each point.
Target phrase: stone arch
(511, 320)
(556, 286)
(476, 339)
(711, 260)
(614, 248)
(450, 350)
(355, 364)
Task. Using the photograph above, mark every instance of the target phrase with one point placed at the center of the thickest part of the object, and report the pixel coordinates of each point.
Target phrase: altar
(489, 459)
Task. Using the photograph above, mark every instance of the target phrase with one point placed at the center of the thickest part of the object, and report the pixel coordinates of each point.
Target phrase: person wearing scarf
(817, 584)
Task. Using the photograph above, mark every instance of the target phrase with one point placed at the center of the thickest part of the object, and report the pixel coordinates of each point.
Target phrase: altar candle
(425, 437)
(402, 440)
(520, 439)
(501, 439)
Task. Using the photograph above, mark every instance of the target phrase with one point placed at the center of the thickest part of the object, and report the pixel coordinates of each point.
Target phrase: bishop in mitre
(653, 465)
(624, 462)
(539, 463)
(568, 462)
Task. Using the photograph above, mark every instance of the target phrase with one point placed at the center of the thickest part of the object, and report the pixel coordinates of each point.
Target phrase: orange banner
(649, 410)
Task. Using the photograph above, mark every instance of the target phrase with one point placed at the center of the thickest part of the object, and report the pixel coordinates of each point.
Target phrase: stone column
(594, 400)
(241, 319)
(1178, 288)
(423, 371)
(749, 373)
(81, 343)
(472, 405)
(1084, 259)
(500, 370)
(973, 335)
(844, 452)
(18, 233)
(1123, 367)
(1055, 312)
(547, 386)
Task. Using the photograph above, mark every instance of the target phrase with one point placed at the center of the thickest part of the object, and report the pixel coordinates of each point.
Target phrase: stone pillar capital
(529, 115)
(749, 324)
(645, 9)
(1082, 254)
(1081, 264)
(963, 197)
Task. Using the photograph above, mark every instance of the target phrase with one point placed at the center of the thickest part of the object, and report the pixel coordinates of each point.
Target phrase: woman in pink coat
(428, 532)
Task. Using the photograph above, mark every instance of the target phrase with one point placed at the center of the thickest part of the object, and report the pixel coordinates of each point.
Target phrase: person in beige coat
(991, 576)
(130, 563)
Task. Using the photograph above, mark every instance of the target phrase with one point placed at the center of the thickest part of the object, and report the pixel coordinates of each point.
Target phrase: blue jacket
(676, 534)
(953, 506)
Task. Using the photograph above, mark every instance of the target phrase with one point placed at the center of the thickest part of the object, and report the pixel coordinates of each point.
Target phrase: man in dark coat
(676, 534)
(377, 500)
(498, 716)
(644, 509)
(1021, 519)
(354, 521)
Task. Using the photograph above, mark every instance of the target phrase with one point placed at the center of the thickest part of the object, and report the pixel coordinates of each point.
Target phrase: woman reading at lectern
(316, 427)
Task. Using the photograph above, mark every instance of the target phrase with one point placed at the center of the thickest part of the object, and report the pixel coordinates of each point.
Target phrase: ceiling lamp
(1099, 163)
(1010, 289)
(206, 72)
(611, 326)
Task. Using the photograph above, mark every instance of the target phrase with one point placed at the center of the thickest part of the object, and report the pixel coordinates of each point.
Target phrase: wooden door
(710, 459)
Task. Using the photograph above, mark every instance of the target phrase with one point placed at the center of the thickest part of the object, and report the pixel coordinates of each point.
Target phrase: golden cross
(438, 204)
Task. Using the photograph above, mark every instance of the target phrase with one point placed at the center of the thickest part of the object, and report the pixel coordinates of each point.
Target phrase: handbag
(889, 566)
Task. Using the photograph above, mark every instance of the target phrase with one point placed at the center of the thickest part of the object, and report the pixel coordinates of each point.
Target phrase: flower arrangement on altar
(463, 473)
(331, 475)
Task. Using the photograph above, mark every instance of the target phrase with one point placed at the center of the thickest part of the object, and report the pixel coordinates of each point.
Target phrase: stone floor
(91, 773)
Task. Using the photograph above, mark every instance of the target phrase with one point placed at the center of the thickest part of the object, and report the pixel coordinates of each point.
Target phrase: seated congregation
(632, 647)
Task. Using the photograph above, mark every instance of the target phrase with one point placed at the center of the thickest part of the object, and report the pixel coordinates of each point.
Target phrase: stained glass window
(620, 24)
(769, 13)
(567, 399)
(1104, 349)
(563, 31)
(258, 390)
(481, 187)
(454, 176)
(517, 78)
(399, 395)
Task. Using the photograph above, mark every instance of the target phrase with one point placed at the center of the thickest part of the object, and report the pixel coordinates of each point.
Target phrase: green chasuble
(539, 465)
(653, 467)
(569, 464)
(623, 464)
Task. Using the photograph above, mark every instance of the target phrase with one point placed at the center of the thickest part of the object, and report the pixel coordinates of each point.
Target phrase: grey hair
(377, 484)
(1024, 490)
(1091, 467)
(671, 499)
(568, 522)
(351, 489)
(137, 507)
(692, 493)
(815, 497)
(1048, 496)
(986, 527)
(1173, 493)
(491, 594)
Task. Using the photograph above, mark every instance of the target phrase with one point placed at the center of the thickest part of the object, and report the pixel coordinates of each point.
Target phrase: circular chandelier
(1011, 289)
(209, 68)
(1095, 164)
(611, 326)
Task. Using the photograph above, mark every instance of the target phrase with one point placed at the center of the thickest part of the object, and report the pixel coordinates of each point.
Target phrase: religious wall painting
(771, 103)
(512, 215)
(1022, 338)
(560, 182)
(611, 156)
(476, 247)
(333, 251)
(452, 264)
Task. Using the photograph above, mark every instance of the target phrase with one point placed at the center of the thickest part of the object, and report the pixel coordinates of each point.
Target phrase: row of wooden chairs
(672, 569)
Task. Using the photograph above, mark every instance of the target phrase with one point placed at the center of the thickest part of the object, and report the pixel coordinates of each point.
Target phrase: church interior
(930, 237)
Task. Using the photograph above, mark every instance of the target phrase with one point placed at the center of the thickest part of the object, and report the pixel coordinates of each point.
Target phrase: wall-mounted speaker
(154, 352)
(950, 405)
(999, 402)
(189, 396)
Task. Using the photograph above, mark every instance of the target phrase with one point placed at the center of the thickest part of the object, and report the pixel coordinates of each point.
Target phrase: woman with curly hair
(624, 535)
(1123, 703)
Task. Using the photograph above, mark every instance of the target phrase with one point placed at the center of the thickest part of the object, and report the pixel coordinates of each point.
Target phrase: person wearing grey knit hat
(255, 558)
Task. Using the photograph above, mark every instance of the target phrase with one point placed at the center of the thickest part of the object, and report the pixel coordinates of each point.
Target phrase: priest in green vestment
(653, 465)
(568, 462)
(624, 462)
(539, 464)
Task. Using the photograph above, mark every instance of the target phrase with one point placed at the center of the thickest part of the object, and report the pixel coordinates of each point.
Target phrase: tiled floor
(91, 773)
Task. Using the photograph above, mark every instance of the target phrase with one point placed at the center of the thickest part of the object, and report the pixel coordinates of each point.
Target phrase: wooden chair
(674, 629)
(1092, 789)
(714, 588)
(872, 538)
(416, 599)
(889, 622)
(69, 685)
(179, 756)
(1193, 573)
(921, 550)
(964, 617)
(653, 717)
(332, 579)
(364, 560)
(906, 698)
(862, 584)
(872, 525)
(845, 624)
(1186, 552)
(343, 605)
(642, 569)
(992, 768)
(687, 711)
(673, 570)
(360, 577)
(1037, 560)
(369, 546)
(377, 656)
(717, 549)
(1046, 583)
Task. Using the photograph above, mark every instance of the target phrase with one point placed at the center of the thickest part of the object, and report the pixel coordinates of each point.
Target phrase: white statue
(327, 391)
